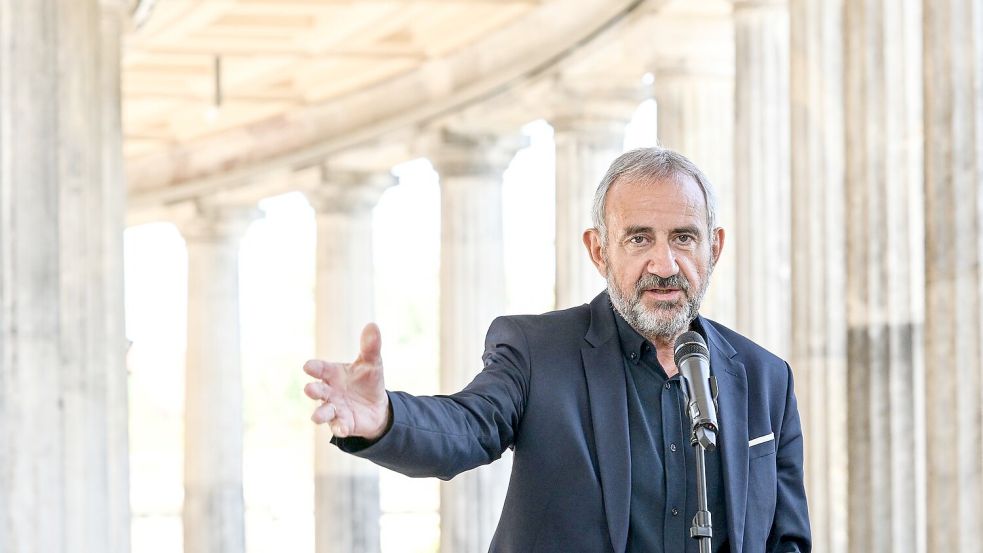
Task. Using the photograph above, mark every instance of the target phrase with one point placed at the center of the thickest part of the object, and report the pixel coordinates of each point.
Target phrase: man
(591, 400)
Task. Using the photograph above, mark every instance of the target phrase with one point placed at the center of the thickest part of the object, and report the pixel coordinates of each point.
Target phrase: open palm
(353, 394)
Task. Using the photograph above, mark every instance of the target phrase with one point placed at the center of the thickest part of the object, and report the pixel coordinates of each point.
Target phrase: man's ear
(717, 243)
(595, 249)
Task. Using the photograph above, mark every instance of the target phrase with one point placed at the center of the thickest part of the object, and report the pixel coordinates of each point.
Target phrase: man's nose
(662, 261)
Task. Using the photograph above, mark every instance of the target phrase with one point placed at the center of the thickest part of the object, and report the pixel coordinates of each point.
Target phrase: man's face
(659, 254)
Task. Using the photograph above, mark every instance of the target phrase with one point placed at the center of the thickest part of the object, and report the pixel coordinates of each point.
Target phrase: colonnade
(471, 167)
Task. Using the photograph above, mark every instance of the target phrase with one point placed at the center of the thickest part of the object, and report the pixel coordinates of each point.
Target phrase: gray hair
(651, 164)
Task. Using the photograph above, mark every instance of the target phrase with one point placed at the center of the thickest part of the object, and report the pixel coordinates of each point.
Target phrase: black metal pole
(702, 529)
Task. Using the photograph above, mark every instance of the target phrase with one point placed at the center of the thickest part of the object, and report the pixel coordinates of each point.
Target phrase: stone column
(346, 489)
(589, 132)
(112, 25)
(60, 326)
(472, 285)
(213, 501)
(761, 173)
(819, 329)
(695, 99)
(953, 120)
(885, 283)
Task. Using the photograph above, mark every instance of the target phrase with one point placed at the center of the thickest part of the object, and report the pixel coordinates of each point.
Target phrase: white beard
(666, 320)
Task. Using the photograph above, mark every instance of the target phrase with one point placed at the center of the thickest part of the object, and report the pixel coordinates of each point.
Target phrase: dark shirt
(663, 465)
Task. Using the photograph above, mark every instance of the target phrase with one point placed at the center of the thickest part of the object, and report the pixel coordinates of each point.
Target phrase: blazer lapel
(608, 398)
(732, 402)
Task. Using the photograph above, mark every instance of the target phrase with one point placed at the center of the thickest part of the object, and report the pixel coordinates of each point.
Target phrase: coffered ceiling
(199, 67)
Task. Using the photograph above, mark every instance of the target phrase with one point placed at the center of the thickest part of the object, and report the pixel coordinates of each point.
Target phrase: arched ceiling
(217, 91)
(277, 55)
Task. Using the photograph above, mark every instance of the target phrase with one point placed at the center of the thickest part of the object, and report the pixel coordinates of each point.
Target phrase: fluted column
(62, 459)
(761, 172)
(695, 99)
(213, 501)
(346, 489)
(589, 132)
(819, 331)
(112, 23)
(472, 293)
(885, 276)
(953, 53)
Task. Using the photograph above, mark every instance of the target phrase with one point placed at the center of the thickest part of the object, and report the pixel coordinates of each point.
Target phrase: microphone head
(689, 344)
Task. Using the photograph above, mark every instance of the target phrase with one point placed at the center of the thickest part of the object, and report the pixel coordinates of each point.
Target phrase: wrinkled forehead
(675, 199)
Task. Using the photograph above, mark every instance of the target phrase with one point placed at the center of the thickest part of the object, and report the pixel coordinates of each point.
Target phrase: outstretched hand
(353, 395)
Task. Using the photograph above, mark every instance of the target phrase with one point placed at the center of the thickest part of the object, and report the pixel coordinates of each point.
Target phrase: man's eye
(684, 239)
(636, 240)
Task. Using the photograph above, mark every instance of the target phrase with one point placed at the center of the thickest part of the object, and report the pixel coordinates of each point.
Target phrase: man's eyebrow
(640, 229)
(636, 229)
(688, 229)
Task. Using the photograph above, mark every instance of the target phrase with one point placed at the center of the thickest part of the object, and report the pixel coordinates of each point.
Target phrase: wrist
(386, 422)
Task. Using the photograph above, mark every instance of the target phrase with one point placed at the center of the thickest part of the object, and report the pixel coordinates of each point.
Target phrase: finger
(318, 390)
(324, 370)
(325, 413)
(339, 429)
(371, 344)
(343, 425)
(314, 367)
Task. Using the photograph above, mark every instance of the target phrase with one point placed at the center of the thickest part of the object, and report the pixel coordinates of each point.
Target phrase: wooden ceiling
(197, 68)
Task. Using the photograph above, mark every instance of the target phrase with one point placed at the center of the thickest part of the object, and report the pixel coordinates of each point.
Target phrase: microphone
(693, 361)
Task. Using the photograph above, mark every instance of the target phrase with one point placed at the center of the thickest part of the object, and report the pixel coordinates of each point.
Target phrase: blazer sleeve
(443, 436)
(790, 529)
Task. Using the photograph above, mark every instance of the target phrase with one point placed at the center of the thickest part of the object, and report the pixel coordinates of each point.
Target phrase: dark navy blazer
(553, 388)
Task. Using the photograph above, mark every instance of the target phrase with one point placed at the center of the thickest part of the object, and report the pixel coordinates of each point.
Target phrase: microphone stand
(703, 438)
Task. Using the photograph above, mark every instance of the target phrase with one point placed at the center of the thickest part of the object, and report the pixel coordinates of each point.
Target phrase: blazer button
(675, 511)
(668, 386)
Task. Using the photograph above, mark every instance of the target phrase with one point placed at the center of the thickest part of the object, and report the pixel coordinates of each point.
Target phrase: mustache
(655, 281)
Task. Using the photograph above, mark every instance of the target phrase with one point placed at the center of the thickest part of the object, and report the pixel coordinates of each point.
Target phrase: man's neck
(664, 351)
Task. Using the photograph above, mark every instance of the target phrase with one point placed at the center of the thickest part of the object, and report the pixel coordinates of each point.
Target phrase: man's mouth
(663, 293)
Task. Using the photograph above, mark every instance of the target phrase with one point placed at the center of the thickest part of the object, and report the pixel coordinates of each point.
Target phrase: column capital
(347, 191)
(457, 154)
(204, 220)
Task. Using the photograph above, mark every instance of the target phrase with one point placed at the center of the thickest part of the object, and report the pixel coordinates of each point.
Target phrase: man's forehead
(678, 196)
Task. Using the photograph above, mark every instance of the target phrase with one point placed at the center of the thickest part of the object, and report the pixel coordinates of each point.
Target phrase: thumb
(371, 344)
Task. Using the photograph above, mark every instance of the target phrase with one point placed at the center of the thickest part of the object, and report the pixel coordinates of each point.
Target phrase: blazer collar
(608, 399)
(602, 324)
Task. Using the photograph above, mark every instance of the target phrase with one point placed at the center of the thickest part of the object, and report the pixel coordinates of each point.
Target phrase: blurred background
(197, 196)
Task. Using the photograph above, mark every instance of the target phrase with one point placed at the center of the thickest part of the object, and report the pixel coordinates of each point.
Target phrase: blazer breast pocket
(761, 446)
